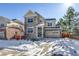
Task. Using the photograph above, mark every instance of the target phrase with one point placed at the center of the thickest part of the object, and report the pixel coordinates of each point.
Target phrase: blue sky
(47, 10)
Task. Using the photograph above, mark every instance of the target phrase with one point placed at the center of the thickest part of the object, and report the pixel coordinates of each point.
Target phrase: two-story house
(34, 25)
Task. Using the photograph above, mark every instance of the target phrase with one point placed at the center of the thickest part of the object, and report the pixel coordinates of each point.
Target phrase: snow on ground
(45, 47)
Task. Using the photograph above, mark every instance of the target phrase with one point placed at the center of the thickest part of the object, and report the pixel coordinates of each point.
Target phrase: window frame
(30, 20)
(49, 24)
(31, 30)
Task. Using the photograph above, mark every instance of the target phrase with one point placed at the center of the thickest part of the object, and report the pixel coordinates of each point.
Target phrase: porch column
(42, 31)
(37, 32)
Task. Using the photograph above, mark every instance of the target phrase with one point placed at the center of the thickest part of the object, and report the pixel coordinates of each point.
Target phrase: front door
(39, 32)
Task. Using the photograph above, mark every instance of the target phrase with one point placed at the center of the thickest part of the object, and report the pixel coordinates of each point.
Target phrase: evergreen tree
(68, 20)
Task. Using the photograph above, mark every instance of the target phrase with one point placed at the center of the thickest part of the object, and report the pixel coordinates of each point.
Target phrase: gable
(29, 14)
(4, 19)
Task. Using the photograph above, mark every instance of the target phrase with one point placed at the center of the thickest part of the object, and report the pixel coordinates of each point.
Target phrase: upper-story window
(30, 20)
(49, 24)
(40, 21)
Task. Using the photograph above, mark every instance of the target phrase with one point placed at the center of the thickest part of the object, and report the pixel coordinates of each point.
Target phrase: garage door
(52, 34)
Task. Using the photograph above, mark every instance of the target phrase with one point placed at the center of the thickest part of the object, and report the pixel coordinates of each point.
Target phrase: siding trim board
(52, 27)
(52, 30)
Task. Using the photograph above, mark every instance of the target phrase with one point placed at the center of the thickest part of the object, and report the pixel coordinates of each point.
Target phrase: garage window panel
(49, 24)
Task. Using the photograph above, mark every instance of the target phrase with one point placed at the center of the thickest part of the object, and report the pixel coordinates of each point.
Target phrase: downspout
(5, 33)
(25, 29)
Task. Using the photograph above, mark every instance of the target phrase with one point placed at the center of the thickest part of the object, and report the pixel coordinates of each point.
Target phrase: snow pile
(55, 48)
(63, 48)
(60, 47)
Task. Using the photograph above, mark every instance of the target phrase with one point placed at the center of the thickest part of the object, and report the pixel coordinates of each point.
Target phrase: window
(30, 20)
(2, 25)
(30, 30)
(40, 20)
(49, 24)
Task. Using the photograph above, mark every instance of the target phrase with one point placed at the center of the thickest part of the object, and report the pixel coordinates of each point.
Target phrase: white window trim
(29, 18)
(30, 27)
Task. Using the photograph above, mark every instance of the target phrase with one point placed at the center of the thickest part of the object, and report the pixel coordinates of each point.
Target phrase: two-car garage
(52, 32)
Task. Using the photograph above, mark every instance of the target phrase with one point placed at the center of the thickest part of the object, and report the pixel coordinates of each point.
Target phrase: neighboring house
(14, 28)
(34, 25)
(19, 23)
(51, 29)
(3, 23)
(9, 28)
(38, 27)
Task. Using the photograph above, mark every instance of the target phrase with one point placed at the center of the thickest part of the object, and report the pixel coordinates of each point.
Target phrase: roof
(50, 19)
(32, 14)
(4, 18)
(38, 14)
(17, 21)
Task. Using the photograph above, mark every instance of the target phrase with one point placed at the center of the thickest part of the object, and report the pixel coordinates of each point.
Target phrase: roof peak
(30, 12)
(38, 14)
(34, 13)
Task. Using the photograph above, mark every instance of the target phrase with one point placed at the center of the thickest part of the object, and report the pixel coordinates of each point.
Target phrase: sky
(47, 10)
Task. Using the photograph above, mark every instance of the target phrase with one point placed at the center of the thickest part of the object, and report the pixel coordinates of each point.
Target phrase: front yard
(45, 47)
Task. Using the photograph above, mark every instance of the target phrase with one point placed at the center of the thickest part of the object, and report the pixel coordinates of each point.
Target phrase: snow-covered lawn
(45, 47)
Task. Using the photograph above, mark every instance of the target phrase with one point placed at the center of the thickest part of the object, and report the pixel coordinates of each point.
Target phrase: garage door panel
(52, 34)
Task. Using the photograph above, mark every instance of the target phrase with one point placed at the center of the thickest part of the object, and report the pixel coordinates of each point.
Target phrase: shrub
(65, 34)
